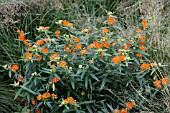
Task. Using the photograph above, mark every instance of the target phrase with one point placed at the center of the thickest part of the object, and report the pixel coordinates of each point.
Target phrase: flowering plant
(88, 70)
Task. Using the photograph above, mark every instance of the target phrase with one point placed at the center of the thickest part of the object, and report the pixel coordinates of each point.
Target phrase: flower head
(15, 67)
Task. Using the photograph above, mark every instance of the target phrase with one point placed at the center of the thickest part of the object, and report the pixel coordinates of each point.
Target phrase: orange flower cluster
(130, 105)
(69, 100)
(40, 42)
(123, 110)
(20, 79)
(143, 38)
(44, 96)
(21, 36)
(110, 20)
(117, 59)
(57, 33)
(138, 30)
(77, 40)
(42, 28)
(144, 66)
(54, 56)
(67, 49)
(97, 45)
(62, 64)
(15, 67)
(105, 30)
(139, 55)
(78, 46)
(66, 23)
(45, 50)
(144, 23)
(32, 101)
(84, 51)
(28, 56)
(90, 46)
(158, 83)
(55, 80)
(142, 47)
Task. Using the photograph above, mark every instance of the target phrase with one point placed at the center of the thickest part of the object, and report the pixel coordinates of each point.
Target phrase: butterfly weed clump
(87, 70)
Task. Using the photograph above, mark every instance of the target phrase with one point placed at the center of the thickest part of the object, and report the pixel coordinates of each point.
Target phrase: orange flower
(39, 97)
(140, 43)
(130, 105)
(67, 49)
(139, 55)
(145, 26)
(122, 58)
(21, 37)
(54, 96)
(26, 42)
(110, 20)
(57, 33)
(70, 100)
(41, 28)
(101, 55)
(157, 84)
(125, 48)
(105, 44)
(85, 30)
(39, 58)
(55, 79)
(21, 32)
(143, 38)
(54, 56)
(97, 45)
(144, 23)
(33, 101)
(119, 51)
(38, 111)
(84, 51)
(128, 44)
(138, 30)
(40, 42)
(62, 64)
(152, 64)
(35, 56)
(45, 50)
(105, 30)
(66, 23)
(142, 47)
(78, 46)
(144, 66)
(15, 67)
(164, 80)
(116, 111)
(28, 55)
(123, 110)
(116, 59)
(20, 78)
(77, 40)
(90, 46)
(46, 95)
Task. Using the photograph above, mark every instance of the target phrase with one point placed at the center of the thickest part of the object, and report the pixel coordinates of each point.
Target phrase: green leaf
(89, 109)
(86, 82)
(103, 83)
(29, 90)
(136, 61)
(18, 93)
(93, 76)
(110, 107)
(94, 67)
(72, 82)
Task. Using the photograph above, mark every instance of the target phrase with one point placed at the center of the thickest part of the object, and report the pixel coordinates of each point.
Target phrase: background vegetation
(26, 15)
